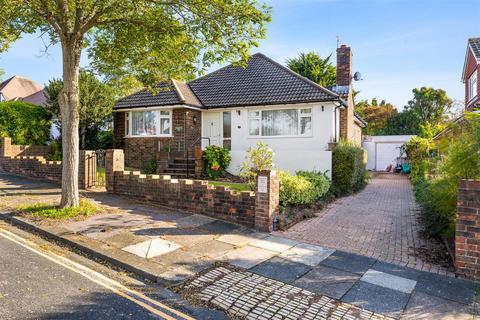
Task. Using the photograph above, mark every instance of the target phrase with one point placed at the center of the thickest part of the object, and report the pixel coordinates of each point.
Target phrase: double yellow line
(136, 297)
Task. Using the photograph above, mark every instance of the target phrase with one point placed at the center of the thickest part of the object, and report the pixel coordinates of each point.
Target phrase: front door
(211, 129)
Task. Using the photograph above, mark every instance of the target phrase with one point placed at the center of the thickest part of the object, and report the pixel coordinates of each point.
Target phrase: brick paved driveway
(380, 222)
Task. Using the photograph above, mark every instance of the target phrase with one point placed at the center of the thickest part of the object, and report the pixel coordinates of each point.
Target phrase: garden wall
(467, 234)
(197, 196)
(14, 160)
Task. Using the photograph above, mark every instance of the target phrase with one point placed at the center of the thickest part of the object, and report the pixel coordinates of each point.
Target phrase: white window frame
(471, 92)
(300, 116)
(129, 118)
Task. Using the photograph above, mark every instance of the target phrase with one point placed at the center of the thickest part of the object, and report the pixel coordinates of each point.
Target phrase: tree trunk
(68, 100)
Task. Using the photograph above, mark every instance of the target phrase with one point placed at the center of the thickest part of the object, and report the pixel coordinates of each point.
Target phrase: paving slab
(426, 307)
(307, 254)
(212, 249)
(242, 239)
(377, 299)
(193, 221)
(221, 227)
(152, 248)
(397, 270)
(349, 262)
(274, 243)
(247, 257)
(389, 281)
(281, 269)
(328, 281)
(124, 239)
(458, 290)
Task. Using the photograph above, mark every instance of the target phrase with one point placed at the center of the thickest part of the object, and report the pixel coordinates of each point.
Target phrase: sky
(397, 45)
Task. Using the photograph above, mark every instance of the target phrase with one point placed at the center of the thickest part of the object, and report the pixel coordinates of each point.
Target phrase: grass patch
(231, 185)
(43, 210)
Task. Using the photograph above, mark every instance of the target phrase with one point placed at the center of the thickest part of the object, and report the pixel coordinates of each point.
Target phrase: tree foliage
(429, 105)
(376, 115)
(148, 39)
(95, 107)
(312, 66)
(25, 123)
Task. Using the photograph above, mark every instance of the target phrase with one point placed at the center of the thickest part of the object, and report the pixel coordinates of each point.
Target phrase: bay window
(281, 122)
(148, 123)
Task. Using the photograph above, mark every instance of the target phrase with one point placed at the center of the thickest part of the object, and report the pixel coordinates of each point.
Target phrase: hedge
(24, 122)
(349, 173)
(304, 188)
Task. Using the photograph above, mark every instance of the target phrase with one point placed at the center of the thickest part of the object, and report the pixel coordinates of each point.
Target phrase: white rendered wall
(291, 153)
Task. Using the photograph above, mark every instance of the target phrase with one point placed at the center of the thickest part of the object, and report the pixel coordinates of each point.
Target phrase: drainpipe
(335, 122)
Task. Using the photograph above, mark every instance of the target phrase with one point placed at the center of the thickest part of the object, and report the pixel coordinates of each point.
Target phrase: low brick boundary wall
(197, 196)
(37, 166)
(467, 233)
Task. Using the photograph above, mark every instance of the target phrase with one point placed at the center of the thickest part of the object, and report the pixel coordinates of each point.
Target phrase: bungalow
(236, 107)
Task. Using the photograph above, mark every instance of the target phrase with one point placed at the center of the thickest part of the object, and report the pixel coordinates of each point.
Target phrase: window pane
(254, 127)
(254, 114)
(306, 125)
(227, 125)
(165, 113)
(306, 111)
(280, 122)
(144, 123)
(165, 126)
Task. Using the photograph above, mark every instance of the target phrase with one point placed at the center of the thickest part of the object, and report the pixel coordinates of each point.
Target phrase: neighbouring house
(471, 71)
(21, 88)
(470, 74)
(236, 107)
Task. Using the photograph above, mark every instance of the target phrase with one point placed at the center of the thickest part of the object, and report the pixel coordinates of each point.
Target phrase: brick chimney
(344, 66)
(344, 78)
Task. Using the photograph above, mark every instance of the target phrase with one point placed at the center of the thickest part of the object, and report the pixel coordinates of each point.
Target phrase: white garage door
(386, 154)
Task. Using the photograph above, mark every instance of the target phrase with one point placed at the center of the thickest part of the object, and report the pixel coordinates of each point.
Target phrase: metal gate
(95, 169)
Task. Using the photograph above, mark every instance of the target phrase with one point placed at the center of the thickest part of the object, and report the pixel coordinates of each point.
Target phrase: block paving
(381, 222)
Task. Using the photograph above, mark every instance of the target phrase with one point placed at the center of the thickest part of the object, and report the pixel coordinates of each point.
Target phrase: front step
(179, 168)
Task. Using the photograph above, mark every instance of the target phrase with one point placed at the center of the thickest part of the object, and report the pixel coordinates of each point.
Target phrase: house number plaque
(262, 184)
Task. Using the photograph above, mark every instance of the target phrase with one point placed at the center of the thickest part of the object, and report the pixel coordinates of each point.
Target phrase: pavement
(382, 222)
(176, 246)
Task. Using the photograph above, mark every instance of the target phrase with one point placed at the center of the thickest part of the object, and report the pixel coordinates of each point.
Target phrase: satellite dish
(357, 76)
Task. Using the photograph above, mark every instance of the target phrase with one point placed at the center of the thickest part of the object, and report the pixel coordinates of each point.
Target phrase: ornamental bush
(217, 160)
(304, 188)
(349, 173)
(24, 122)
(258, 158)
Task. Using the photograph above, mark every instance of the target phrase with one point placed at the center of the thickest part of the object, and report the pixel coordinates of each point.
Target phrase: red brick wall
(467, 234)
(194, 196)
(140, 150)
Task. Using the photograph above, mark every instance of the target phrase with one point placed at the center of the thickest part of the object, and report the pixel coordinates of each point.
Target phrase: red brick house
(236, 107)
(471, 74)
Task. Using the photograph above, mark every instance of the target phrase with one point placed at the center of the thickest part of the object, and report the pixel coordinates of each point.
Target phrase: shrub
(150, 167)
(304, 188)
(418, 152)
(25, 123)
(217, 160)
(258, 158)
(55, 151)
(349, 173)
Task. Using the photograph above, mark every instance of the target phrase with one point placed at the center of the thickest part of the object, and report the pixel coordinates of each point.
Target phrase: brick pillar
(198, 162)
(5, 147)
(266, 200)
(467, 233)
(87, 169)
(114, 162)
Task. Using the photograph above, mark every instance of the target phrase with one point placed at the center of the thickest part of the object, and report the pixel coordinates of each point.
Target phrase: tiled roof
(262, 82)
(166, 93)
(340, 90)
(475, 45)
(17, 87)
